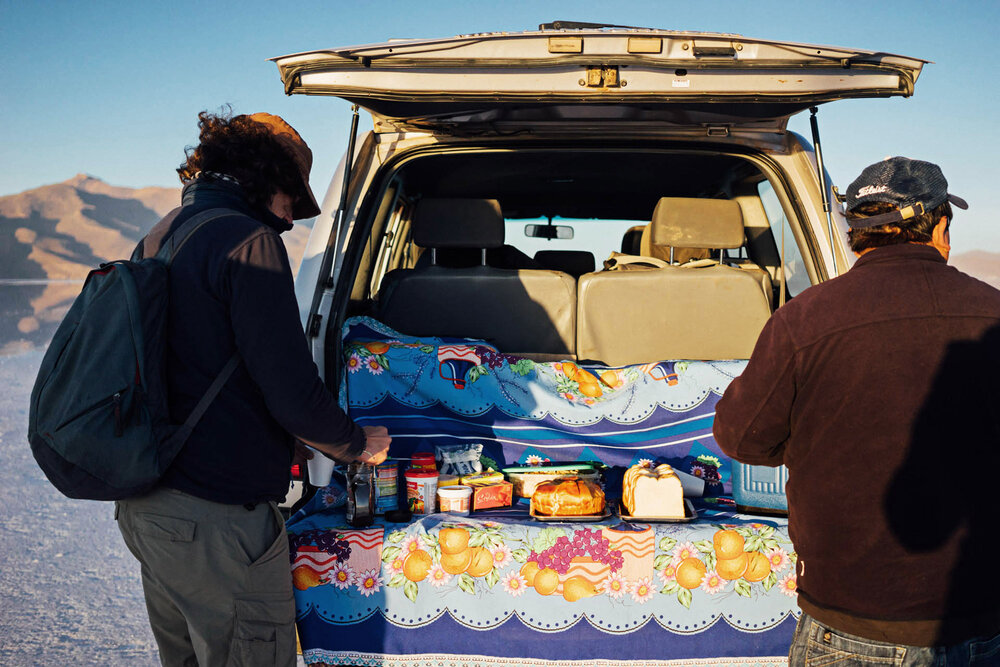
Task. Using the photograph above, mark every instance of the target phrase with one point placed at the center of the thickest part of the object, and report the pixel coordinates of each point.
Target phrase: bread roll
(569, 496)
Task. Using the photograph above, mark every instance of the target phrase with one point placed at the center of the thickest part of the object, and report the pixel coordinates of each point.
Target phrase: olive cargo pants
(216, 579)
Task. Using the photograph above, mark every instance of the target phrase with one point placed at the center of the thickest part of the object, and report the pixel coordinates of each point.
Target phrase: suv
(575, 129)
(590, 194)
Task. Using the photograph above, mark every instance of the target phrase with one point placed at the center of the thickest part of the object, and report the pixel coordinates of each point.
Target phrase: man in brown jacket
(879, 391)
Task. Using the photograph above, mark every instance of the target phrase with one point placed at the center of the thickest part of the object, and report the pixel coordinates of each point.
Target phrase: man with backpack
(209, 536)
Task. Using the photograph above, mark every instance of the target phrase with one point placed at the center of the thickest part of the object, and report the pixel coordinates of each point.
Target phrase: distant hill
(979, 263)
(60, 232)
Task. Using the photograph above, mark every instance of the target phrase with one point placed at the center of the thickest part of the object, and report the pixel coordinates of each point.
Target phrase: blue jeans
(816, 645)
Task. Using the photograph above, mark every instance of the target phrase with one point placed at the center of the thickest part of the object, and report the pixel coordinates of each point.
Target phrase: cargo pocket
(264, 632)
(163, 527)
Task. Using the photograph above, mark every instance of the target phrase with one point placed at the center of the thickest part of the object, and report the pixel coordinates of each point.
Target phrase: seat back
(574, 262)
(702, 311)
(518, 310)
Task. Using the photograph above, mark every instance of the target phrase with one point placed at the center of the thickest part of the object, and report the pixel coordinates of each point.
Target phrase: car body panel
(565, 78)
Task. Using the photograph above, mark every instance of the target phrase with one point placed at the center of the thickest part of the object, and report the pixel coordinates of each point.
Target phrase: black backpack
(99, 424)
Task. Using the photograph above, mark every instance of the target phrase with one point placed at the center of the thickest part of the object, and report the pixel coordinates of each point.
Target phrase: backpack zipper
(117, 402)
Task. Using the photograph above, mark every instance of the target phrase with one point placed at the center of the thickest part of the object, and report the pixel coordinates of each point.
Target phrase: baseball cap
(298, 151)
(913, 186)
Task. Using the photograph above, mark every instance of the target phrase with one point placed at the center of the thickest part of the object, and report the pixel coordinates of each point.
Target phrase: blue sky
(113, 88)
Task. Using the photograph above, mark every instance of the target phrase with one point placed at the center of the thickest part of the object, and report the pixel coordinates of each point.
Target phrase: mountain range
(52, 236)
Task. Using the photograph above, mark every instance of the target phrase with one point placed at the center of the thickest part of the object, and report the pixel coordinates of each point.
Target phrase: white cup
(320, 469)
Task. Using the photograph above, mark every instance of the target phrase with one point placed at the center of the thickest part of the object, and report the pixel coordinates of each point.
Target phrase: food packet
(459, 459)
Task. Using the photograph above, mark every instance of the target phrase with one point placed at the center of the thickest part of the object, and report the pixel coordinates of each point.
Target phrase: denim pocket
(985, 653)
(828, 648)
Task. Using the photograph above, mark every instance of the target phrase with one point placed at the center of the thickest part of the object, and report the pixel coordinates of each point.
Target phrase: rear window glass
(600, 237)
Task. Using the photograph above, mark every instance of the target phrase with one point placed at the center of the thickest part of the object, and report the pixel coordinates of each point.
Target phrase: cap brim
(958, 201)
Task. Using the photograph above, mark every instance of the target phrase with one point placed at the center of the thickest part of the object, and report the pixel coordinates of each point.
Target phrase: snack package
(488, 477)
(459, 459)
(497, 494)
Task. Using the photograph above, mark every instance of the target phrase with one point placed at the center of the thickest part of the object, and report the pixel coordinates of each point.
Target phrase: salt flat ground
(69, 589)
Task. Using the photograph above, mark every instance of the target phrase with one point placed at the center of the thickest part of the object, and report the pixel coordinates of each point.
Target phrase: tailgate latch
(602, 76)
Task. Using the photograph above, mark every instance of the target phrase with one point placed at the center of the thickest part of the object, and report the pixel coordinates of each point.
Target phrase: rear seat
(522, 311)
(700, 311)
(574, 262)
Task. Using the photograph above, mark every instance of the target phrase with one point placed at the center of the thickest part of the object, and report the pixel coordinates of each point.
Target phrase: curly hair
(915, 230)
(246, 150)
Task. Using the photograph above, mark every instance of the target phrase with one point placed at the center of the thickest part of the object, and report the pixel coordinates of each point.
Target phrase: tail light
(298, 473)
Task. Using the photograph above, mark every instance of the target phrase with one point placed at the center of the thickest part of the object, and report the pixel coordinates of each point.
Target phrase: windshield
(599, 237)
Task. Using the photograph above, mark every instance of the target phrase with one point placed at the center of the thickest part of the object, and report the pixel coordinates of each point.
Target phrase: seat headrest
(458, 223)
(688, 222)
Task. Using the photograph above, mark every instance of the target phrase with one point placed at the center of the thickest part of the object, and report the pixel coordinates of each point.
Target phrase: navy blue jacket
(231, 290)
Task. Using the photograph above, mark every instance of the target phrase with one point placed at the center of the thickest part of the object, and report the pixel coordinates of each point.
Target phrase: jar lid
(421, 473)
(455, 490)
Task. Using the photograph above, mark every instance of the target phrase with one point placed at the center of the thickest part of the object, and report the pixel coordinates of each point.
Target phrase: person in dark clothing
(210, 538)
(869, 388)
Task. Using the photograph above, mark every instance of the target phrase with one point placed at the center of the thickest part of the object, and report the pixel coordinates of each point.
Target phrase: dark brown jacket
(880, 390)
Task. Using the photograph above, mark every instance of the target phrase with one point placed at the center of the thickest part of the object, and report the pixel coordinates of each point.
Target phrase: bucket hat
(296, 148)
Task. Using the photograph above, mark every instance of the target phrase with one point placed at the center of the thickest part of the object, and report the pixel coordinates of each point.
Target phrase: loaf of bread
(569, 496)
(653, 492)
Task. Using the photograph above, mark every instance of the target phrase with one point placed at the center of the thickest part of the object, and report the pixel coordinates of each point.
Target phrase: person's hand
(302, 453)
(376, 445)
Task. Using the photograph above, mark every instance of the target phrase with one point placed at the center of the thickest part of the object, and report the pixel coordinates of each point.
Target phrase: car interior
(698, 251)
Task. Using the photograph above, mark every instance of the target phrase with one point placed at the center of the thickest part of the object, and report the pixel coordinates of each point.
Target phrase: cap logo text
(872, 190)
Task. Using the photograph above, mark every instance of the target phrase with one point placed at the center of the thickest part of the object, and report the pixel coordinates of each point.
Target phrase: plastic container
(760, 489)
(423, 461)
(421, 490)
(386, 487)
(455, 499)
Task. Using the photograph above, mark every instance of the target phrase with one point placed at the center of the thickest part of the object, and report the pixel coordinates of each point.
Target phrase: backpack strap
(183, 432)
(168, 250)
(620, 262)
(173, 243)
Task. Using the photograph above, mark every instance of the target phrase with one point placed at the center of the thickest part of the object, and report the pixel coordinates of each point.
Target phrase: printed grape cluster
(492, 358)
(585, 542)
(325, 540)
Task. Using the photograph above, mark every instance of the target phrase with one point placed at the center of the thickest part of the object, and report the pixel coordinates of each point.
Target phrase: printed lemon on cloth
(481, 572)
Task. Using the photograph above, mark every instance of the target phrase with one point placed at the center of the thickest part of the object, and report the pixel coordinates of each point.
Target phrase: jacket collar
(902, 251)
(207, 192)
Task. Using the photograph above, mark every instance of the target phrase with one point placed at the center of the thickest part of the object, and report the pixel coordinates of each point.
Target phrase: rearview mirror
(562, 232)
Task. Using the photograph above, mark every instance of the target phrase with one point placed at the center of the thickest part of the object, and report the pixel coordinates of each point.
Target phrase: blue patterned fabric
(438, 391)
(463, 591)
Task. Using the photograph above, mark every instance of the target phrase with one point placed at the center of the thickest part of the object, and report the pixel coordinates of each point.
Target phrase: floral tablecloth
(504, 589)
(500, 588)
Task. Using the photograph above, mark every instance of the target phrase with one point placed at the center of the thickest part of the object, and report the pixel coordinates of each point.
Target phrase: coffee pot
(360, 494)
